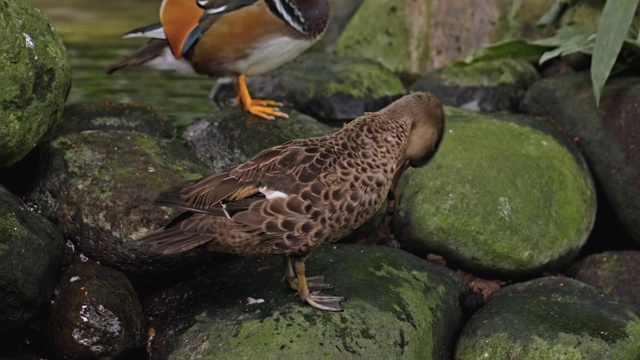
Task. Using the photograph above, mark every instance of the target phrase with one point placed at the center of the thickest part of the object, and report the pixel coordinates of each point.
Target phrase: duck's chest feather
(251, 41)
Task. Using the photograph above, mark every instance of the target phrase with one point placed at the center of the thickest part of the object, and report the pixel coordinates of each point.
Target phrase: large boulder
(95, 314)
(398, 306)
(227, 138)
(506, 197)
(607, 135)
(99, 188)
(551, 318)
(30, 252)
(413, 37)
(35, 78)
(326, 87)
(616, 273)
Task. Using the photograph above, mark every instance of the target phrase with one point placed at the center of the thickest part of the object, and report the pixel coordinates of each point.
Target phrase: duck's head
(427, 127)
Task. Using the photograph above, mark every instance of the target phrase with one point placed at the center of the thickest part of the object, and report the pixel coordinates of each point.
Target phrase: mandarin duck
(292, 198)
(232, 37)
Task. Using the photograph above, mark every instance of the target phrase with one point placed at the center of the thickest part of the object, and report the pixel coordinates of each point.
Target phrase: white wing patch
(272, 194)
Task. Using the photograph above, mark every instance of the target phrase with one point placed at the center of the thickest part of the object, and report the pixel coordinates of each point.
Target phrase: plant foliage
(614, 39)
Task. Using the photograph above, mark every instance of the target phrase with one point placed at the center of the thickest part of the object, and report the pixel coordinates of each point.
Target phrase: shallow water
(92, 32)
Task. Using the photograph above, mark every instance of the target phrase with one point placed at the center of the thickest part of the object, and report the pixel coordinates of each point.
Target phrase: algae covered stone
(328, 87)
(551, 318)
(96, 314)
(35, 78)
(30, 252)
(487, 85)
(99, 188)
(506, 197)
(229, 137)
(398, 306)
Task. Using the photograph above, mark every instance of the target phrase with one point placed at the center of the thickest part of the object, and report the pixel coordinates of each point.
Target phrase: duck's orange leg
(264, 108)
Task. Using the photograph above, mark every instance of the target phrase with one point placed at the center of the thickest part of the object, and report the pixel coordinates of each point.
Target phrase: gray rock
(96, 314)
(397, 306)
(109, 117)
(326, 87)
(616, 273)
(413, 37)
(608, 136)
(230, 137)
(487, 86)
(99, 188)
(30, 252)
(551, 318)
(504, 197)
(35, 79)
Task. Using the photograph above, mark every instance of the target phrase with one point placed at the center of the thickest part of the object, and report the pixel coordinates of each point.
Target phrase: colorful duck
(292, 198)
(233, 37)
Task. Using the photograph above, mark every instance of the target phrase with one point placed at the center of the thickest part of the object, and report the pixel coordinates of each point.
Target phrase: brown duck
(292, 198)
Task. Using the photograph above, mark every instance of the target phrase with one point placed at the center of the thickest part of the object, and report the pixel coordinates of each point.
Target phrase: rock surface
(30, 252)
(327, 87)
(99, 188)
(397, 306)
(608, 136)
(551, 318)
(487, 86)
(96, 314)
(35, 79)
(505, 197)
(616, 273)
(228, 138)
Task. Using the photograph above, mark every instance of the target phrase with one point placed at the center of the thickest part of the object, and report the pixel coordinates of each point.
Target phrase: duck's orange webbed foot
(266, 109)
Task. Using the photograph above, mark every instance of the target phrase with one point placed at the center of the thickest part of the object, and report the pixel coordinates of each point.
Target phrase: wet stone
(99, 188)
(35, 79)
(397, 306)
(503, 196)
(30, 252)
(95, 314)
(551, 318)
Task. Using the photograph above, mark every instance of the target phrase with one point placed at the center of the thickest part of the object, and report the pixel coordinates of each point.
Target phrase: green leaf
(614, 24)
(515, 49)
(580, 43)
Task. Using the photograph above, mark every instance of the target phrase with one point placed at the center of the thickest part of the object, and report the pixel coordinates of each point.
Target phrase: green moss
(498, 197)
(551, 318)
(490, 73)
(35, 79)
(398, 306)
(385, 40)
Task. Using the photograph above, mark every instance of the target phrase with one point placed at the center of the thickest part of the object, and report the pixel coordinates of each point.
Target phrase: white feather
(272, 194)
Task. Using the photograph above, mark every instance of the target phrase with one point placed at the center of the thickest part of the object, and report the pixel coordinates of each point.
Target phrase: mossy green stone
(390, 32)
(100, 186)
(499, 197)
(30, 252)
(398, 306)
(551, 318)
(35, 78)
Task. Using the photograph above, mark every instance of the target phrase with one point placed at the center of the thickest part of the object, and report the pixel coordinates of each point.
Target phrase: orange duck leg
(266, 109)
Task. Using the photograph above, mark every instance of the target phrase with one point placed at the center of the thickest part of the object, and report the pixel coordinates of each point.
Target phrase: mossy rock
(612, 272)
(35, 78)
(231, 136)
(105, 116)
(487, 85)
(99, 188)
(327, 87)
(96, 314)
(30, 252)
(503, 196)
(551, 318)
(398, 306)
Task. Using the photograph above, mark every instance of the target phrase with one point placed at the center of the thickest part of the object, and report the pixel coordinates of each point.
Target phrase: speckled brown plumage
(294, 197)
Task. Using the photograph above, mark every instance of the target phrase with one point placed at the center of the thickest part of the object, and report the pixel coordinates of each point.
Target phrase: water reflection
(92, 32)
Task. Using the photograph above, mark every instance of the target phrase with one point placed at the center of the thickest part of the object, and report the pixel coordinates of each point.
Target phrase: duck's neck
(308, 17)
